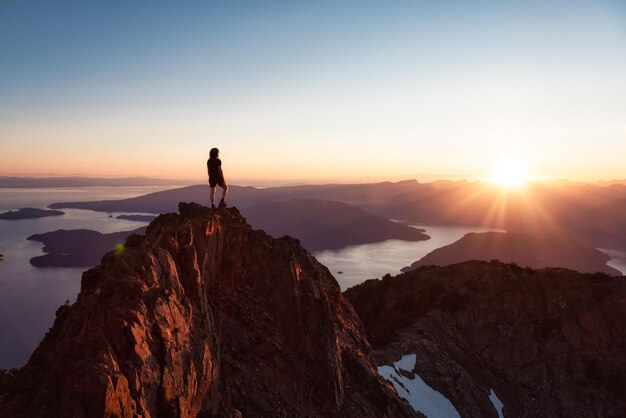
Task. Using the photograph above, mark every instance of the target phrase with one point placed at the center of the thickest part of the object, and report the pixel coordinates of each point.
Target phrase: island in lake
(139, 218)
(29, 213)
(527, 250)
(78, 247)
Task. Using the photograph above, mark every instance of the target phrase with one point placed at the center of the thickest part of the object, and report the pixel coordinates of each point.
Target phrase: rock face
(527, 250)
(203, 317)
(550, 343)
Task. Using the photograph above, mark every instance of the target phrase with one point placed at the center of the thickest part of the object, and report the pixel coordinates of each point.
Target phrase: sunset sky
(313, 91)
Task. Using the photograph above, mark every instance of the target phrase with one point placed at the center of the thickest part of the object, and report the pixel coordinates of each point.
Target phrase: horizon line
(275, 182)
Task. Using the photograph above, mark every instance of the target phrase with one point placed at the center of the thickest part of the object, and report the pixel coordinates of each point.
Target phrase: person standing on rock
(216, 177)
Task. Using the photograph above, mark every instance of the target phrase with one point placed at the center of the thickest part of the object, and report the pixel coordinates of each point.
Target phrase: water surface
(369, 261)
(618, 259)
(29, 296)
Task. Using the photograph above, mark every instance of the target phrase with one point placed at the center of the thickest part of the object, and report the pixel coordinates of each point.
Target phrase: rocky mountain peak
(203, 316)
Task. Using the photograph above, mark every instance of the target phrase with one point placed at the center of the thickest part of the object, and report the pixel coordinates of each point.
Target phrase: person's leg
(213, 195)
(224, 193)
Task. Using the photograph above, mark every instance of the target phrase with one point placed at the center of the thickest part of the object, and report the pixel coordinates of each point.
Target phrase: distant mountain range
(616, 182)
(318, 224)
(587, 213)
(43, 182)
(322, 224)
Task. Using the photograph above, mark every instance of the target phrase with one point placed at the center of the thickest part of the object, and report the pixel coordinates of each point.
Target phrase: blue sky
(313, 91)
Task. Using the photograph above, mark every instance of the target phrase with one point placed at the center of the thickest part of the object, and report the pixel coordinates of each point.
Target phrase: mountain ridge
(550, 342)
(538, 208)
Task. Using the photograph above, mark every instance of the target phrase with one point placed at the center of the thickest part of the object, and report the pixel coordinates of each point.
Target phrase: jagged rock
(203, 316)
(550, 342)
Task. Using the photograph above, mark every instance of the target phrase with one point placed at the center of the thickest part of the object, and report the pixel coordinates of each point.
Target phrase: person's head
(214, 153)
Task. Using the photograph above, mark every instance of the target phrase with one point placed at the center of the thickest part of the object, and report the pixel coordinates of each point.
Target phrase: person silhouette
(216, 177)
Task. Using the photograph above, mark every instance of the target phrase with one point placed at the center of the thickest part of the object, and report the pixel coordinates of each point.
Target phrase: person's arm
(208, 169)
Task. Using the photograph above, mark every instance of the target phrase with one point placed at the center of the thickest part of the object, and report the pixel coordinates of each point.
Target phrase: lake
(362, 262)
(618, 259)
(29, 296)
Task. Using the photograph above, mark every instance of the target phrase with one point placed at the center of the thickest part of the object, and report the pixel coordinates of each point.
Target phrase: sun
(510, 172)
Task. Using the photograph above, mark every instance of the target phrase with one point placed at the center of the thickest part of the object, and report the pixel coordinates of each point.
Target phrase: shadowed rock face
(550, 342)
(203, 317)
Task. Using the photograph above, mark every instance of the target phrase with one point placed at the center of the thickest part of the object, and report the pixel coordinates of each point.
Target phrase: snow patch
(420, 396)
(497, 403)
(406, 363)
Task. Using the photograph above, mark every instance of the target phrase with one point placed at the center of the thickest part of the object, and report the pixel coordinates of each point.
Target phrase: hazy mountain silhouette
(167, 201)
(157, 202)
(321, 224)
(553, 207)
(605, 225)
(76, 181)
(614, 182)
(527, 250)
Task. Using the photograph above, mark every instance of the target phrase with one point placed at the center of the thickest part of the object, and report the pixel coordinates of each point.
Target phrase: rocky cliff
(203, 316)
(550, 343)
